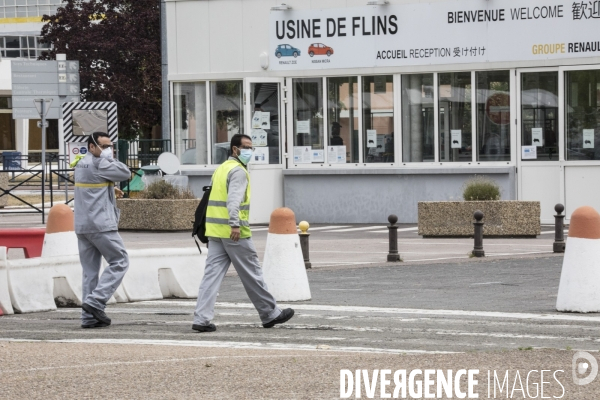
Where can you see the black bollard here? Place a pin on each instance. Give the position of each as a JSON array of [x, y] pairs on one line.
[[478, 224], [559, 226], [393, 229], [304, 243]]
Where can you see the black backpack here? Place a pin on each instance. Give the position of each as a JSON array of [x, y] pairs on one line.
[[199, 230]]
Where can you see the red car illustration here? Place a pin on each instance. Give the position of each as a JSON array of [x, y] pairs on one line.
[[319, 49]]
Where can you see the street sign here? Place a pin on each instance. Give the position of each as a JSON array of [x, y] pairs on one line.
[[32, 113], [42, 106], [55, 80]]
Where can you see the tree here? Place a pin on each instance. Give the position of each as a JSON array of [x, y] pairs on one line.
[[117, 43]]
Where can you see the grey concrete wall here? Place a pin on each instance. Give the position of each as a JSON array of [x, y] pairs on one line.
[[369, 196]]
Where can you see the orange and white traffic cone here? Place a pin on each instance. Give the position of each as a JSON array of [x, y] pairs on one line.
[[60, 238], [579, 287], [283, 266]]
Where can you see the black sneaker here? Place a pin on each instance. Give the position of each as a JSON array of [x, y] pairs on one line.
[[98, 314], [97, 324], [204, 328], [285, 316]]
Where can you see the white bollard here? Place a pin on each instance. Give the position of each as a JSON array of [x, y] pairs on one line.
[[60, 238], [5, 302], [579, 287], [283, 266]]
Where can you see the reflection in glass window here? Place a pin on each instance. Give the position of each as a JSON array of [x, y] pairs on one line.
[[378, 118], [35, 135], [189, 118], [454, 96], [582, 125], [265, 123], [227, 116], [308, 120], [539, 113], [7, 132], [418, 128], [342, 114], [493, 116]]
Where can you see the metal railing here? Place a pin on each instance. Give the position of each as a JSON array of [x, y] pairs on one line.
[[138, 153]]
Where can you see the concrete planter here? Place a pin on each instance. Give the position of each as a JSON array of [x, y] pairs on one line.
[[501, 218], [157, 215]]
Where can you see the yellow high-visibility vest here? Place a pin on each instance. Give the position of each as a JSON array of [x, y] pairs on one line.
[[217, 216]]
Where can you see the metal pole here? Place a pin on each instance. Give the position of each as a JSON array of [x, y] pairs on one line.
[[43, 161], [393, 233], [478, 224], [559, 226], [304, 243], [166, 109]]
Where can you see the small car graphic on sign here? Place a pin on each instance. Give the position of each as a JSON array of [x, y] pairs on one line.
[[536, 140], [587, 142], [285, 50], [455, 142], [319, 49]]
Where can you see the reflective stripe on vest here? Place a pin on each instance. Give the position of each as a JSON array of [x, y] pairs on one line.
[[217, 216]]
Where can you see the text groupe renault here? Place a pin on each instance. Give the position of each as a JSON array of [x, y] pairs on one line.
[[431, 384]]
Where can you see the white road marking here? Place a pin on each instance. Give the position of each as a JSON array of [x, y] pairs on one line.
[[363, 228], [321, 228], [383, 310], [486, 283], [233, 345], [399, 230], [259, 229], [549, 232]]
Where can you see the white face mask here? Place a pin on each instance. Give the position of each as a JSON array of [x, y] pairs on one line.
[[107, 153]]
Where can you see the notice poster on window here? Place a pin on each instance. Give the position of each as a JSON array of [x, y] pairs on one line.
[[537, 137], [371, 138], [336, 154], [302, 155], [318, 156], [265, 120], [259, 137], [588, 138], [528, 152], [303, 126], [260, 155], [257, 120], [456, 138]]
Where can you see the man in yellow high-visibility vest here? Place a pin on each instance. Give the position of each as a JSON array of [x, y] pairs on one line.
[[230, 242]]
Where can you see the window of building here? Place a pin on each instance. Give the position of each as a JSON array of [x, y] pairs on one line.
[[227, 116], [582, 122], [264, 96], [418, 128], [27, 8], [22, 47], [493, 116], [455, 126], [189, 120], [539, 113], [35, 136], [308, 121], [342, 114], [378, 118]]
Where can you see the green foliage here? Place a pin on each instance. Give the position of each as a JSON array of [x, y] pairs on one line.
[[481, 189], [165, 190]]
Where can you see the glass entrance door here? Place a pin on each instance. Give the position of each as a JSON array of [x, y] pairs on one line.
[[539, 167]]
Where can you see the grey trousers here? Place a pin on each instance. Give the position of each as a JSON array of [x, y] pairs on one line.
[[242, 254], [97, 290]]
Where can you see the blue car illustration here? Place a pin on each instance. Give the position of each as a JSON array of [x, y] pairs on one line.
[[286, 50]]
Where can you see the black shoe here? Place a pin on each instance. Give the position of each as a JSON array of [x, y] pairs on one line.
[[98, 314], [285, 316], [97, 324], [204, 328]]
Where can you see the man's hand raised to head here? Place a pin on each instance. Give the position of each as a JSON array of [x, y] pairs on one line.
[[235, 234]]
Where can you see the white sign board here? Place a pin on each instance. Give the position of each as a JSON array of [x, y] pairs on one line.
[[302, 155], [528, 152], [456, 138], [588, 138], [259, 137], [449, 32], [336, 154], [537, 137], [260, 155], [75, 149], [303, 126], [371, 138]]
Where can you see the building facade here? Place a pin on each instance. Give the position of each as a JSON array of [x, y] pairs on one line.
[[20, 27], [360, 109]]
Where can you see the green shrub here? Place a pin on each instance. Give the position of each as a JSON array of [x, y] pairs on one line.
[[481, 189], [165, 190]]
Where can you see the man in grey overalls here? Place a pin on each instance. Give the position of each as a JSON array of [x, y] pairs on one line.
[[96, 224]]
